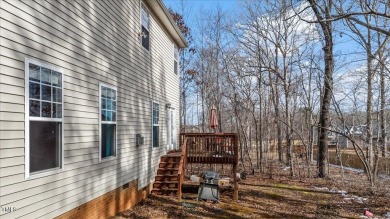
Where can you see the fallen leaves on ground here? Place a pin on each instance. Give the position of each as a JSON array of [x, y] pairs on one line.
[[279, 197]]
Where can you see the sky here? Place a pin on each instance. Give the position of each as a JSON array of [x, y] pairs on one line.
[[199, 4], [345, 48], [193, 8]]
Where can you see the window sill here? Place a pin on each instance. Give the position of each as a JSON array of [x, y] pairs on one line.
[[44, 173], [145, 49], [106, 159]]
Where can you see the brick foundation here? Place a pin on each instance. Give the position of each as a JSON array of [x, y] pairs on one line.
[[111, 203]]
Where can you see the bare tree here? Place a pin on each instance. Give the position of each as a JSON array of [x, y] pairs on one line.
[[374, 58], [323, 14], [186, 71]]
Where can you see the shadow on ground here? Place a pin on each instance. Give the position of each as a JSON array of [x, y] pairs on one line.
[[259, 197]]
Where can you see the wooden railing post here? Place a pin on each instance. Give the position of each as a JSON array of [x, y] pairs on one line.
[[235, 195], [182, 167], [179, 194], [235, 148]]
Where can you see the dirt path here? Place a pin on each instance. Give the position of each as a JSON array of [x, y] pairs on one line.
[[280, 197]]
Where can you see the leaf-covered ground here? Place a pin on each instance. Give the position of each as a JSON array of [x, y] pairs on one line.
[[279, 197]]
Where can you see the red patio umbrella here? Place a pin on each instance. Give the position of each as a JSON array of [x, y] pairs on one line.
[[213, 118]]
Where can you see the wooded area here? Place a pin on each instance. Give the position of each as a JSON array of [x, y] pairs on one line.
[[305, 86], [291, 78]]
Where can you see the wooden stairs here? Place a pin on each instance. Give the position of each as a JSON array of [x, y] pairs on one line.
[[167, 179]]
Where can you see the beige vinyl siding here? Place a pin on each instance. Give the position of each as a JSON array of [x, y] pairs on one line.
[[10, 107], [92, 42], [11, 126], [11, 161], [13, 170], [11, 143]]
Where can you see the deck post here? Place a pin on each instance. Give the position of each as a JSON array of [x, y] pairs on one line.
[[235, 194], [235, 164], [179, 192]]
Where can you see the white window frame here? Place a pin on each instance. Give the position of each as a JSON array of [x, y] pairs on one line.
[[158, 124], [176, 58], [27, 120], [101, 159], [142, 4], [171, 122]]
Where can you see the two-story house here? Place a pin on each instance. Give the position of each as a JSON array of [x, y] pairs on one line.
[[89, 102]]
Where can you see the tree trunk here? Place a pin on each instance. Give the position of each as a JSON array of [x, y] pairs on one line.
[[382, 112], [383, 141], [261, 126], [257, 142], [326, 27], [289, 152], [184, 108], [369, 104], [275, 99]]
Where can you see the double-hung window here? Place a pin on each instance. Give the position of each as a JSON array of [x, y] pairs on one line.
[[145, 25], [44, 117], [155, 124], [108, 113]]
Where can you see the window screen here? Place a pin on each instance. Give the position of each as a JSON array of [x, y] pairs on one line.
[[45, 117], [155, 121], [145, 25], [108, 114]]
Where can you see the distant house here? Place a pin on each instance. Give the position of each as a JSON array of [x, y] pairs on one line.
[[358, 133], [333, 135], [336, 137], [89, 100]]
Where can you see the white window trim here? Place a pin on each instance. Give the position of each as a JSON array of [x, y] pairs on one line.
[[176, 59], [158, 124], [140, 27], [171, 119], [27, 120], [100, 123], [168, 128], [175, 48]]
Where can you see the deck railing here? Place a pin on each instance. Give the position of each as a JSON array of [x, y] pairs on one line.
[[210, 148], [217, 148]]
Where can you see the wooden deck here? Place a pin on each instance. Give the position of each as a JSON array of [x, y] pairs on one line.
[[207, 148]]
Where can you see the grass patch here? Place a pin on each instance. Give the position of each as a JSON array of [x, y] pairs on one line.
[[286, 186]]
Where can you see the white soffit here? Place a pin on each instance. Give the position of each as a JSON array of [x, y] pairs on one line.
[[158, 7]]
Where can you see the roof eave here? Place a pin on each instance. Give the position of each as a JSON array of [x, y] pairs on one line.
[[162, 12]]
